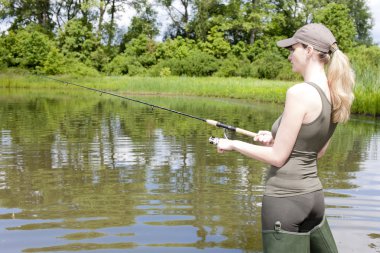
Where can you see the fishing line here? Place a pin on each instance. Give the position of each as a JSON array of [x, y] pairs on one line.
[[208, 121]]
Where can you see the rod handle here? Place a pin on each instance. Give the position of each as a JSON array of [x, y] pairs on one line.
[[235, 129], [246, 132]]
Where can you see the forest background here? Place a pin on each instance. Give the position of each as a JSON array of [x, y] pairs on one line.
[[219, 38]]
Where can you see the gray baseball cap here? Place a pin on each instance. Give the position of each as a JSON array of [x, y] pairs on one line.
[[316, 35]]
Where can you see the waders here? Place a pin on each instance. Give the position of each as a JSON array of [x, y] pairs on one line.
[[321, 239], [318, 240]]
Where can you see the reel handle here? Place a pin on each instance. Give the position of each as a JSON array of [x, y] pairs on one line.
[[213, 140]]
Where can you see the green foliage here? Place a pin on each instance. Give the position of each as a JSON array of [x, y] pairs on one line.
[[234, 66], [165, 72], [366, 63], [216, 44], [6, 43], [118, 66], [140, 25], [76, 68], [77, 40], [197, 63], [268, 65], [55, 63], [175, 48], [22, 13], [228, 38], [239, 49], [263, 45], [98, 59], [26, 48], [124, 65], [286, 73], [337, 18], [363, 21], [143, 49]]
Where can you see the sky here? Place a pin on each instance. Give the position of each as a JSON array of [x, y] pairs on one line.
[[374, 6]]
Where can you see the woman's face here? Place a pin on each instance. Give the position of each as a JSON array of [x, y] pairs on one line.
[[297, 58]]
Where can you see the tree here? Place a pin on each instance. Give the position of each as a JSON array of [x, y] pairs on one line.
[[179, 14], [337, 18], [145, 22], [24, 12], [27, 48], [363, 21], [110, 27], [204, 12], [143, 49], [77, 40], [216, 44], [288, 17], [246, 20]]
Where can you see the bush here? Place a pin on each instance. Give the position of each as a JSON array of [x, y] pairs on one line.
[[287, 74], [268, 65], [175, 48], [165, 72], [26, 48], [6, 56], [195, 64], [78, 39], [98, 59], [233, 66], [199, 64], [124, 65], [76, 68], [55, 63], [142, 49]]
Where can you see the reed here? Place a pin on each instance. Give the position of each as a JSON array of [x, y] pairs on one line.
[[367, 92]]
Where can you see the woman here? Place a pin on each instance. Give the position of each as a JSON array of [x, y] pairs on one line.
[[293, 202]]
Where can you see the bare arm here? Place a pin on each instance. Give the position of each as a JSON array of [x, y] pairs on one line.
[[278, 153]]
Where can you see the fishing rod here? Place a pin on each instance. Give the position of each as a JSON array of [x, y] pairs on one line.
[[212, 140]]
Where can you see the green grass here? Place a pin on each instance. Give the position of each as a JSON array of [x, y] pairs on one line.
[[259, 90], [367, 97]]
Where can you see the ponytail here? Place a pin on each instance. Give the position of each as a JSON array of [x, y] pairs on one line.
[[341, 80]]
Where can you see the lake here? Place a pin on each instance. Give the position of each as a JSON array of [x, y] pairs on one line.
[[89, 173]]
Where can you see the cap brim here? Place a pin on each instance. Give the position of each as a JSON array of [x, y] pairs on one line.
[[286, 42]]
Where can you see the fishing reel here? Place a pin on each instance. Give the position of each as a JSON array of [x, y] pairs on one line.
[[215, 140]]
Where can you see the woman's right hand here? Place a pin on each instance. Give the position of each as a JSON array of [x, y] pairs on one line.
[[265, 137]]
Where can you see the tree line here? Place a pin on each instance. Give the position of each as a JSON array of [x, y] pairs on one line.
[[203, 37]]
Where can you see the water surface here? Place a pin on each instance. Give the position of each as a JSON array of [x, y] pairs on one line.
[[89, 173]]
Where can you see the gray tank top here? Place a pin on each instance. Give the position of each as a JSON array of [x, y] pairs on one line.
[[299, 174]]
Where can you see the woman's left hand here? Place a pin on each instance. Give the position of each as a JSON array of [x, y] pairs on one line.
[[224, 145]]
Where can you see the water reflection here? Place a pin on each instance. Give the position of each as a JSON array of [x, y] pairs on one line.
[[79, 172]]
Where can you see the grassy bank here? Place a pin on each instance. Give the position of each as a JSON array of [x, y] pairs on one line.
[[367, 100]]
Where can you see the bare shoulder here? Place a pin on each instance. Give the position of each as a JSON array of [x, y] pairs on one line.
[[301, 91], [300, 87]]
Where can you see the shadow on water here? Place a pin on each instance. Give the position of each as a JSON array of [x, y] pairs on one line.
[[79, 172]]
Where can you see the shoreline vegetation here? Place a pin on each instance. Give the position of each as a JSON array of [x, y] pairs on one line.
[[367, 102]]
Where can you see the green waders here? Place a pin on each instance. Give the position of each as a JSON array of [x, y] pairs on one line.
[[280, 241], [321, 239], [318, 240]]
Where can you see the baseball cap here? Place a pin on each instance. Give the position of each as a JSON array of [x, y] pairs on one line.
[[316, 35]]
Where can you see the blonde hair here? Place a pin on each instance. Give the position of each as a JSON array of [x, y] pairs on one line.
[[341, 80]]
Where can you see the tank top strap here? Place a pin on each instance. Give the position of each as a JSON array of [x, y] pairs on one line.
[[320, 91]]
